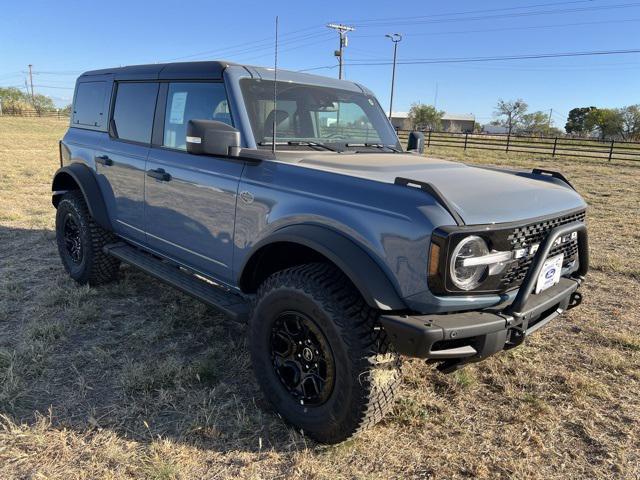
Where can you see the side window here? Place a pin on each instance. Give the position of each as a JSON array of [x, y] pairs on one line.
[[133, 111], [89, 104], [192, 101]]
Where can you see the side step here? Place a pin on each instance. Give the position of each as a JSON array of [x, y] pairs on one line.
[[229, 303]]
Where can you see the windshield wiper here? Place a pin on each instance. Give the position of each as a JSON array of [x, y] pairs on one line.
[[374, 145], [302, 142]]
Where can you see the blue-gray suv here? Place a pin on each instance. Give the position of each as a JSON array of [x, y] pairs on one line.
[[292, 204]]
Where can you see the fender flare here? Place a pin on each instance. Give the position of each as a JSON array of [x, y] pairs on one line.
[[367, 276], [87, 182]]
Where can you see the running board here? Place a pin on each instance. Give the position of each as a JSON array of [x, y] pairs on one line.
[[229, 303]]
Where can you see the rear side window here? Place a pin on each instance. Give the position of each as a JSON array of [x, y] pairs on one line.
[[88, 108], [133, 111], [192, 101]]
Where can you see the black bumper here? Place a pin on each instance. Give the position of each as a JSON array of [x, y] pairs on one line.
[[459, 338]]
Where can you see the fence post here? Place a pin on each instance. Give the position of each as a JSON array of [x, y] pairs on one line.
[[611, 150], [555, 144], [429, 139], [508, 141], [466, 136]]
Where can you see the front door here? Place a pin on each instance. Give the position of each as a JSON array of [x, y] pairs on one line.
[[191, 199], [121, 157]]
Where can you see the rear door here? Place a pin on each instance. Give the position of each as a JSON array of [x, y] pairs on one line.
[[122, 155], [191, 199]]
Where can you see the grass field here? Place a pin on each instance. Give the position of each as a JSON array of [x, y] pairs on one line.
[[135, 380]]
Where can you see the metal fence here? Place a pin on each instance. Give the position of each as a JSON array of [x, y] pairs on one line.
[[35, 113], [554, 146]]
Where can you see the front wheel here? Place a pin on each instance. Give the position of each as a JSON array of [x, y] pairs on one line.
[[80, 242], [319, 355]]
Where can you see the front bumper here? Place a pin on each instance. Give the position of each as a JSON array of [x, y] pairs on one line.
[[459, 338]]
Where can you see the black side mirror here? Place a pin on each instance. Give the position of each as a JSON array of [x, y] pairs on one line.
[[416, 142], [210, 137]]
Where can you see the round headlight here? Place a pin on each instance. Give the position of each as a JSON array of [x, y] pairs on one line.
[[468, 278]]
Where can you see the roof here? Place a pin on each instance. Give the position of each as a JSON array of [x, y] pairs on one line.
[[213, 70], [470, 117], [209, 70], [461, 117]]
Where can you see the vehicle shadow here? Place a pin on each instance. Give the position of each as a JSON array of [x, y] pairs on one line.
[[135, 357]]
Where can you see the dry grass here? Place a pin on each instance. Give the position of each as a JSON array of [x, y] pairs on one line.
[[137, 380]]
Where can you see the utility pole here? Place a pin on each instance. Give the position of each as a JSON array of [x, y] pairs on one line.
[[395, 38], [342, 31], [31, 82], [549, 121]]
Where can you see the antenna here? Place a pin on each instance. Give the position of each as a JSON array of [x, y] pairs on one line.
[[275, 92]]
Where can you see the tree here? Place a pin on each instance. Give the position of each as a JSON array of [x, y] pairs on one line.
[[608, 122], [511, 112], [576, 120], [42, 103], [630, 122], [425, 117], [15, 101], [535, 123]]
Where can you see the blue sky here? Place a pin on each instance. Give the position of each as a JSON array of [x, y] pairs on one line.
[[65, 37]]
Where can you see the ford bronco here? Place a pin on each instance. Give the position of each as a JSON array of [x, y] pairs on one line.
[[290, 203]]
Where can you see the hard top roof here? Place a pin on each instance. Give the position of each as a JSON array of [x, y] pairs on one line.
[[213, 70], [209, 69]]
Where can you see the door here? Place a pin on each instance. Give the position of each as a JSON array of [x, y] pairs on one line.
[[122, 155], [191, 199]]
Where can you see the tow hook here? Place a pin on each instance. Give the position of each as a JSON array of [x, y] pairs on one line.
[[575, 300]]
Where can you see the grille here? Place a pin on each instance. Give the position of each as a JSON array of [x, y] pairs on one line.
[[529, 235]]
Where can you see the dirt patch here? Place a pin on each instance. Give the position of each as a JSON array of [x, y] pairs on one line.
[[135, 380]]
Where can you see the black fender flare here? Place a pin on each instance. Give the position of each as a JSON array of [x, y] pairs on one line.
[[363, 271], [86, 181]]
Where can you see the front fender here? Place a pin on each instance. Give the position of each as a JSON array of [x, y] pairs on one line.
[[79, 176], [367, 276]]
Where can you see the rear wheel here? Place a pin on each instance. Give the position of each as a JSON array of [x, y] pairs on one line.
[[319, 354], [80, 241]]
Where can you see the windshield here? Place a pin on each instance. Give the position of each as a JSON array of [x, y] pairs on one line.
[[307, 114]]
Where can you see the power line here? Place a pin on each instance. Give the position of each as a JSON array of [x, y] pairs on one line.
[[254, 44], [432, 20], [484, 10], [504, 29], [424, 61]]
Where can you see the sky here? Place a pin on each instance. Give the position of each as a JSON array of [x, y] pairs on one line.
[[63, 38]]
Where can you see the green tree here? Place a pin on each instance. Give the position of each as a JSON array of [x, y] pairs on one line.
[[14, 101], [425, 117], [42, 103], [535, 123], [576, 120], [510, 112], [630, 116], [608, 122]]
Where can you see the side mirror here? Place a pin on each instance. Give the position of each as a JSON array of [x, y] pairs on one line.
[[210, 137], [416, 142]]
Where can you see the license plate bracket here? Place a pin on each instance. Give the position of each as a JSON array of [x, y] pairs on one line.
[[550, 273]]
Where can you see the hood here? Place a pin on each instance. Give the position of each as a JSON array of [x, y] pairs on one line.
[[480, 195]]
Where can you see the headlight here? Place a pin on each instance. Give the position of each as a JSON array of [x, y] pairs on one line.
[[468, 277]]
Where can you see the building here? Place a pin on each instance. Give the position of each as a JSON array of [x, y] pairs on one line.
[[400, 121], [458, 122], [451, 122]]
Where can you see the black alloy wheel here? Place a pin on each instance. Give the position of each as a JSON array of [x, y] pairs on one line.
[[302, 358]]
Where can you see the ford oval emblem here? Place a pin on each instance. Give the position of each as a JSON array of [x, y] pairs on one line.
[[549, 275]]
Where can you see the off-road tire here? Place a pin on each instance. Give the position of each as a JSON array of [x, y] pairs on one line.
[[95, 267], [367, 371]]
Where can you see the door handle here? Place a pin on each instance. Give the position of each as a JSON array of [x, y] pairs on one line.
[[104, 160], [159, 174]]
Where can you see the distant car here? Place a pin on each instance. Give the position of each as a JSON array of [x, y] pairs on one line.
[[341, 250]]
